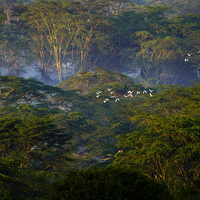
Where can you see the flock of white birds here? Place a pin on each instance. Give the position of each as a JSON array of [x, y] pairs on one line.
[[188, 54], [129, 94]]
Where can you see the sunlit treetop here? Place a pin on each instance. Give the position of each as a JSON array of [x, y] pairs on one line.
[[87, 81]]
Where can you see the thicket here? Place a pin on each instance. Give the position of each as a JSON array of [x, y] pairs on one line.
[[45, 131]]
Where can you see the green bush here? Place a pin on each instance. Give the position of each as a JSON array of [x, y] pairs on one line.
[[109, 183]]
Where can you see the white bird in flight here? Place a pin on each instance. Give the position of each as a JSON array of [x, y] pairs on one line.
[[144, 91], [186, 60], [129, 93], [198, 52], [106, 100], [189, 54], [150, 90]]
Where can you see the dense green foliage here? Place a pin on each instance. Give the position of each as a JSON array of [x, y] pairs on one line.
[[108, 183], [35, 134], [87, 137], [46, 130], [166, 141]]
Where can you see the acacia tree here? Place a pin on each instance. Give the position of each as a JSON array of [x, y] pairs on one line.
[[186, 29], [39, 51], [12, 48], [7, 5], [161, 48], [32, 144], [67, 27], [86, 81], [165, 143], [191, 41], [17, 91], [100, 144], [156, 49], [34, 138], [157, 56], [88, 34], [49, 20], [16, 94]]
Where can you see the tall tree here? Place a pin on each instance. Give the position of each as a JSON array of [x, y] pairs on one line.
[[61, 22], [165, 143], [157, 56], [12, 48], [90, 38], [49, 19]]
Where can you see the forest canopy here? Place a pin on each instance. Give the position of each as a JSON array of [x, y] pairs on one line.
[[111, 110], [154, 41]]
